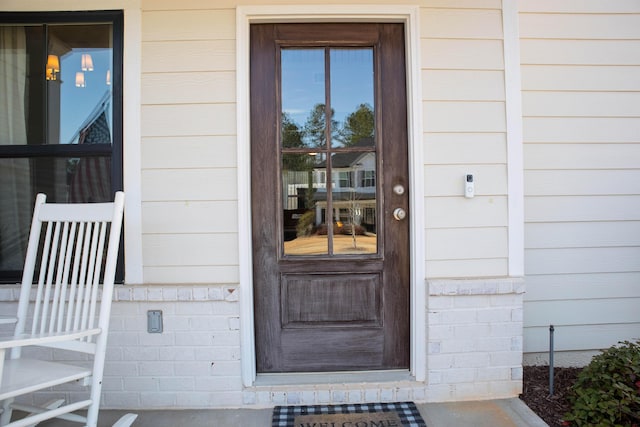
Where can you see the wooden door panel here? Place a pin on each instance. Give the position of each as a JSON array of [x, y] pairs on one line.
[[331, 300], [332, 350], [335, 310]]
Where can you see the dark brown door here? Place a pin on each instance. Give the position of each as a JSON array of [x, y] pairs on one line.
[[329, 197]]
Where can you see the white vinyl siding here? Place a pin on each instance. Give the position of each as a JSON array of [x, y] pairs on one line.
[[464, 132], [581, 108], [189, 161], [189, 125]]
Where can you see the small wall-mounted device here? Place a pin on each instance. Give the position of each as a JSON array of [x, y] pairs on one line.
[[469, 189], [154, 321]]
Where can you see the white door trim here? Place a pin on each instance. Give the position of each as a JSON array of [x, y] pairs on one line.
[[409, 15]]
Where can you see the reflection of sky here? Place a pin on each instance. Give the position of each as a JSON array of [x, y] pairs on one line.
[[303, 81], [78, 103]]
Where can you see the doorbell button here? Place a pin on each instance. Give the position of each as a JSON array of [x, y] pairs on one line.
[[469, 187]]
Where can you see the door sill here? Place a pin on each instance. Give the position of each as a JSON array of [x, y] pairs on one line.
[[310, 378]]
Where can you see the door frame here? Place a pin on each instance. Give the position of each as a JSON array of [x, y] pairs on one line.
[[409, 15]]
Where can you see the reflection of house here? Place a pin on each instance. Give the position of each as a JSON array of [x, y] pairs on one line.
[[90, 176], [353, 181]]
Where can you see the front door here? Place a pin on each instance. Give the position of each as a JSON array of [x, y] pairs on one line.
[[329, 197]]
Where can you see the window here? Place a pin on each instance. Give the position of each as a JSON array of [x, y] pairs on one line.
[[60, 117], [368, 179], [345, 179]]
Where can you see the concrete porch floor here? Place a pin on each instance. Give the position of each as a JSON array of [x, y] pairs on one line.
[[490, 413]]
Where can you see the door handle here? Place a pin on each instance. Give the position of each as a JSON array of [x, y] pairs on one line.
[[399, 214]]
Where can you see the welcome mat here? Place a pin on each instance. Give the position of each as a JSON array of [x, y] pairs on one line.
[[396, 414]]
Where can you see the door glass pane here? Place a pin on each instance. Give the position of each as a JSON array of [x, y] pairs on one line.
[[352, 97], [339, 219], [303, 98], [304, 202], [354, 202]]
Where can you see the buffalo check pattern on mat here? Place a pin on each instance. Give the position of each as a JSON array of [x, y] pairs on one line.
[[407, 412]]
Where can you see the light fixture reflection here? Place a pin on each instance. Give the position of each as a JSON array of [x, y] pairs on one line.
[[80, 79], [108, 77], [87, 62], [52, 68]]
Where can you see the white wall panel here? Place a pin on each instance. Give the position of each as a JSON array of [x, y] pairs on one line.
[[218, 24], [196, 55], [570, 312], [548, 287], [446, 116], [582, 145], [213, 249], [462, 54], [580, 52], [188, 120], [469, 268], [582, 260], [450, 212], [207, 4], [461, 24], [581, 156], [467, 243], [190, 217], [191, 274], [582, 182], [463, 85], [581, 104], [189, 88], [184, 152], [582, 234], [582, 208], [580, 26], [581, 129], [581, 77], [189, 184], [463, 4], [465, 148], [579, 6]]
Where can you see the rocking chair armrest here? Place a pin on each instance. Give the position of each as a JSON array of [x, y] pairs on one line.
[[42, 339], [7, 320]]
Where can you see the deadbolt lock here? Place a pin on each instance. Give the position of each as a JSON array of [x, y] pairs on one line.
[[399, 214]]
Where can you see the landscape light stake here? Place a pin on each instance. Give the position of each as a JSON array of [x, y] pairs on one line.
[[551, 329]]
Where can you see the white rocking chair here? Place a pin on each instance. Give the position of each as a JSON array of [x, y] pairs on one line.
[[69, 244]]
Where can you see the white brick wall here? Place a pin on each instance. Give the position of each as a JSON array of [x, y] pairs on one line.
[[474, 350], [474, 339]]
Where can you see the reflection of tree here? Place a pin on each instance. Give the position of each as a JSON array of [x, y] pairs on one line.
[[315, 128], [291, 133], [292, 163], [357, 125], [292, 138]]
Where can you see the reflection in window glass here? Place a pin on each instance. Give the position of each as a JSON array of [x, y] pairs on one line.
[[63, 180], [339, 218], [54, 96], [303, 188], [84, 97], [303, 98], [352, 96], [353, 203], [57, 112]]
